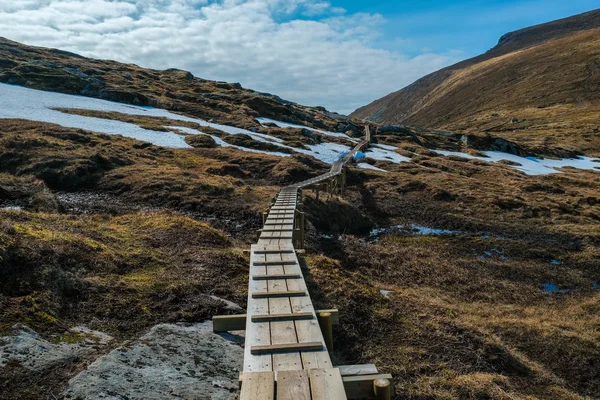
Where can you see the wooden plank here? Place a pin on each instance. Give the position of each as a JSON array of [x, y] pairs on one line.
[[258, 386], [226, 323], [361, 386], [286, 348], [287, 293], [277, 276], [257, 333], [308, 330], [293, 385], [359, 369], [282, 317], [272, 251], [326, 384], [275, 262], [282, 332]]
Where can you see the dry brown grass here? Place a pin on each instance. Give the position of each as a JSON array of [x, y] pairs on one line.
[[550, 87]]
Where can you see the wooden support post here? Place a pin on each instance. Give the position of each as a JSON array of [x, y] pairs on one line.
[[264, 217], [327, 329], [382, 389], [317, 189], [344, 178], [302, 227]]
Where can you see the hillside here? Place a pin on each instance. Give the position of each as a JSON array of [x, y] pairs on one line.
[[462, 264], [538, 86]]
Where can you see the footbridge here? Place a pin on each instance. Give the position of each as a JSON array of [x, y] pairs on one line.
[[288, 342]]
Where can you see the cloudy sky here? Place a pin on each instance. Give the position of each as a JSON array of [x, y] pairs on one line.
[[339, 54]]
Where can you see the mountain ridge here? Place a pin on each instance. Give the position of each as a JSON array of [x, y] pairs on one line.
[[547, 65]]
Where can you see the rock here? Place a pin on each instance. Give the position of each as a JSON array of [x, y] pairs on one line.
[[128, 77], [37, 354], [393, 128], [76, 72], [170, 361], [201, 141], [229, 305], [514, 120]]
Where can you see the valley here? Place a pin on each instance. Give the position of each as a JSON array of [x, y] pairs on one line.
[[463, 256]]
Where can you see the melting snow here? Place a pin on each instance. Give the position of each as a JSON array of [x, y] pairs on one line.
[[413, 229], [385, 146], [222, 143], [531, 165], [38, 105], [282, 124], [369, 166], [385, 155]]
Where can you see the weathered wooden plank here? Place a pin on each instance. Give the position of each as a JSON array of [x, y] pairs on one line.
[[287, 293], [361, 386], [326, 384], [275, 262], [282, 332], [257, 333], [293, 385], [282, 317], [286, 348], [277, 276], [359, 369], [258, 386]]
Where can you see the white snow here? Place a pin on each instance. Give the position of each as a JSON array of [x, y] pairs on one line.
[[386, 155], [282, 124], [364, 165], [531, 165], [413, 229], [385, 146], [326, 152], [222, 143], [39, 105]]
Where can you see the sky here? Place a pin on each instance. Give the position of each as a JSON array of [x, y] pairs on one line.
[[337, 54]]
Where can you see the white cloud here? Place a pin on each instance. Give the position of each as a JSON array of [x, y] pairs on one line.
[[326, 57]]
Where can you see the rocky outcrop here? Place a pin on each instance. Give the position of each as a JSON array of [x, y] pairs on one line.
[[31, 351], [171, 361]]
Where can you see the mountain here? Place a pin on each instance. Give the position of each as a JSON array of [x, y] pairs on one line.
[[538, 86], [172, 89], [459, 263]]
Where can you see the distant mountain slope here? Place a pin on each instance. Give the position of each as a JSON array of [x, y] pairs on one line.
[[172, 89], [538, 85]]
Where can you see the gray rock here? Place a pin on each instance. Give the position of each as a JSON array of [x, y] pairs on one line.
[[172, 361], [37, 354]]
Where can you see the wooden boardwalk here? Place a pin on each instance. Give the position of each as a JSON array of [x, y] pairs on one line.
[[285, 352]]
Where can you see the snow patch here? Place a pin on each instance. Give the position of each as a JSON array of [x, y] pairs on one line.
[[364, 165], [531, 165], [282, 124]]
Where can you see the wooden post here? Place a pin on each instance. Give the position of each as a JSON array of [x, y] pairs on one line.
[[327, 329], [344, 178], [382, 389], [302, 227], [317, 189], [264, 217]]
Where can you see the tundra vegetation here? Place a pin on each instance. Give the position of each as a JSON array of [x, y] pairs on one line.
[[120, 235]]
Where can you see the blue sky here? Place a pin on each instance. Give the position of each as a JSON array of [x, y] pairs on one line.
[[471, 27], [338, 54]]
